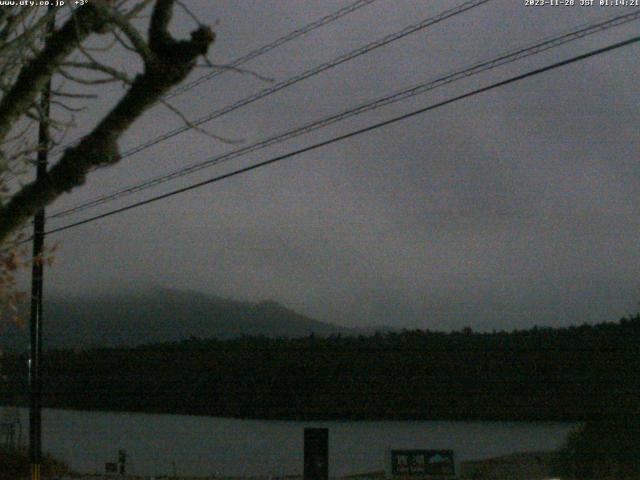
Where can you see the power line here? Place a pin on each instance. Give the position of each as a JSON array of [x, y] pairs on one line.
[[474, 69], [309, 73], [354, 133], [258, 52], [270, 46]]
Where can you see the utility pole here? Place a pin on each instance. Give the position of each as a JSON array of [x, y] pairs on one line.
[[35, 376]]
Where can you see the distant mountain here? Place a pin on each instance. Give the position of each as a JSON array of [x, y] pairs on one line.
[[161, 315]]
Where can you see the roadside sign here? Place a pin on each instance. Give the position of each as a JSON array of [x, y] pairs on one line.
[[111, 467], [316, 454], [416, 463], [122, 461]]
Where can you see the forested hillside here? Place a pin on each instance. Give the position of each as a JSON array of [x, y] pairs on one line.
[[574, 373]]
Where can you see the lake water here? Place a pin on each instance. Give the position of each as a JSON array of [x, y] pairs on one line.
[[156, 444]]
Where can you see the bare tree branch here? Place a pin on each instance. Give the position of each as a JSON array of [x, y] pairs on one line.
[[33, 76], [167, 62], [197, 128], [99, 67]]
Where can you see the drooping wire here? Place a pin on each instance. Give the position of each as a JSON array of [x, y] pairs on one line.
[[307, 74], [474, 69], [270, 46], [310, 73], [354, 133], [332, 17]]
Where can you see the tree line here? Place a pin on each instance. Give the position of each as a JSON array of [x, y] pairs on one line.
[[587, 372]]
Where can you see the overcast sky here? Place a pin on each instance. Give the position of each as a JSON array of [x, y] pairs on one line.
[[516, 207]]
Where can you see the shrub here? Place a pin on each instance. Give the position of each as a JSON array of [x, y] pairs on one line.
[[604, 449]]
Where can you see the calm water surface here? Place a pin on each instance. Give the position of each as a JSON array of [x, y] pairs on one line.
[[156, 444]]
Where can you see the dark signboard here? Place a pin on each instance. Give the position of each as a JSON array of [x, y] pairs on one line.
[[316, 453], [122, 461], [111, 467], [421, 462]]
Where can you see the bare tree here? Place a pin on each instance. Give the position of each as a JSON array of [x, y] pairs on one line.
[[70, 56]]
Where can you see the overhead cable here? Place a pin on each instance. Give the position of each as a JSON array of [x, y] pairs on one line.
[[270, 46], [308, 74], [474, 69], [258, 52], [354, 133]]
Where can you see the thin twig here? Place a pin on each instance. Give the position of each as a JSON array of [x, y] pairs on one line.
[[198, 128]]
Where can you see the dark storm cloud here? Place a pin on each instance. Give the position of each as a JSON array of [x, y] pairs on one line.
[[513, 208]]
